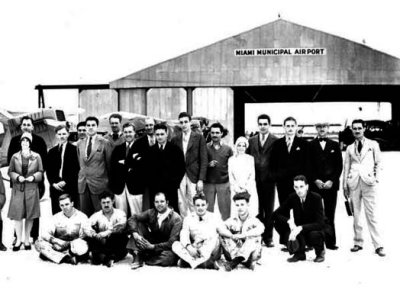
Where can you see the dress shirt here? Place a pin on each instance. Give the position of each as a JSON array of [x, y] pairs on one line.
[[62, 158], [162, 217], [251, 226], [322, 142], [151, 139], [289, 143], [185, 141], [263, 138], [66, 228], [98, 222]]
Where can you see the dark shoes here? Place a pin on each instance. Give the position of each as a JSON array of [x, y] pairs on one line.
[[17, 248], [320, 257], [27, 247], [269, 244], [332, 247], [109, 263], [380, 252], [2, 247], [137, 263], [297, 257], [356, 248], [68, 259]]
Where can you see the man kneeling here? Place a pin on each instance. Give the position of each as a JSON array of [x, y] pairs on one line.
[[106, 233], [245, 244], [305, 226], [63, 242], [199, 245], [153, 233]]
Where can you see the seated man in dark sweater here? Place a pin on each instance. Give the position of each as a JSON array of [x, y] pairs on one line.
[[153, 233], [305, 226]]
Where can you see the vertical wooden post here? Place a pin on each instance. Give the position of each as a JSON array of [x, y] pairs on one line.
[[189, 100], [238, 113]]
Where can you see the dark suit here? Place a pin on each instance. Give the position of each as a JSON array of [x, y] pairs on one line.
[[326, 164], [69, 174], [143, 147], [39, 146], [196, 168], [264, 181], [309, 215], [285, 166], [165, 171]]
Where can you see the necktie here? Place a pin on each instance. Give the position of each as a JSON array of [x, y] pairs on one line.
[[161, 148], [200, 218], [359, 147], [127, 150], [115, 136], [262, 139], [321, 139], [289, 144], [89, 148]]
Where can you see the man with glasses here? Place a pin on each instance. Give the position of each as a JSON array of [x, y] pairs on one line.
[[360, 178], [260, 147], [194, 150]]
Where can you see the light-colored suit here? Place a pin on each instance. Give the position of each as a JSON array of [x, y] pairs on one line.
[[361, 172], [93, 173]]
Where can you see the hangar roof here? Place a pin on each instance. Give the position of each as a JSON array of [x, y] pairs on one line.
[[277, 53]]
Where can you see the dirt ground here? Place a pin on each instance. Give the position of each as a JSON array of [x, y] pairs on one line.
[[361, 278]]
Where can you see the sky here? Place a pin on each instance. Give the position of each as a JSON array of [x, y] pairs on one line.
[[84, 42]]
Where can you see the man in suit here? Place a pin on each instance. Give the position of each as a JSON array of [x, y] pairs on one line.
[[94, 155], [63, 170], [289, 158], [166, 167], [260, 147], [326, 166], [116, 136], [39, 146], [2, 203], [127, 170], [194, 149], [305, 226], [360, 177]]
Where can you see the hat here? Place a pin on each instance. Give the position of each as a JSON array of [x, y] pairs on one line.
[[26, 135], [79, 247], [293, 246]]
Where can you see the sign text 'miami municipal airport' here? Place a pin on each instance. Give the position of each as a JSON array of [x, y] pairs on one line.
[[280, 52]]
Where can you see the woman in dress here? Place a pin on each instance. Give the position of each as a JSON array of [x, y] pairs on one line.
[[242, 174], [25, 171]]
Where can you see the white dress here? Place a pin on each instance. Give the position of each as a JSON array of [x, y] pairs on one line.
[[242, 177]]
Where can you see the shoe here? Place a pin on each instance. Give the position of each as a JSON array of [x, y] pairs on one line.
[[297, 257], [17, 248], [285, 249], [109, 263], [182, 264], [308, 248], [380, 252], [332, 247], [28, 247], [228, 267], [356, 248], [137, 263], [320, 257], [2, 247], [270, 244], [218, 265], [68, 259]]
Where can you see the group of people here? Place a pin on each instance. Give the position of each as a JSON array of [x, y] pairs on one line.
[[154, 197]]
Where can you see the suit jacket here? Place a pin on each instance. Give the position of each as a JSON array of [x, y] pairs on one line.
[[70, 168], [364, 166], [262, 156], [2, 194], [130, 172], [196, 156], [114, 143], [166, 167], [94, 170], [285, 166], [326, 164], [309, 215]]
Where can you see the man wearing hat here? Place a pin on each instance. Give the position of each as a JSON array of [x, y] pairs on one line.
[[305, 226], [326, 166], [63, 240]]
